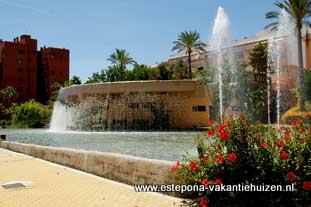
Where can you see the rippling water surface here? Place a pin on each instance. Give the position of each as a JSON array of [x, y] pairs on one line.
[[154, 145]]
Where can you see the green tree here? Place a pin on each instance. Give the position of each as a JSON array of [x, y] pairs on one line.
[[139, 72], [259, 58], [98, 77], [189, 41], [114, 73], [121, 58], [75, 80], [164, 72], [29, 115], [179, 70], [299, 11]]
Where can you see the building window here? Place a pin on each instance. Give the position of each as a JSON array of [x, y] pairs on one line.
[[22, 52], [199, 108], [20, 79], [20, 69], [53, 72], [20, 60]]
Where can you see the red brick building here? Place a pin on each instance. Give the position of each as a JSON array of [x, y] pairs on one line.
[[29, 71]]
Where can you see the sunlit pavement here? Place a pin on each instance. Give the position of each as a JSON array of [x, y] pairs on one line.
[[48, 184]]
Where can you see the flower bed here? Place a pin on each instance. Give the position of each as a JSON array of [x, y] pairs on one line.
[[234, 152]]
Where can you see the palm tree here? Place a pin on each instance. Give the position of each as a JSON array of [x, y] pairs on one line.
[[121, 58], [299, 11], [189, 41]]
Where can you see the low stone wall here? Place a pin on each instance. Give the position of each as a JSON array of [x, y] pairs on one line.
[[126, 169]]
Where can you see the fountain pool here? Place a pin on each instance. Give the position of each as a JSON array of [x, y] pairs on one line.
[[154, 145]]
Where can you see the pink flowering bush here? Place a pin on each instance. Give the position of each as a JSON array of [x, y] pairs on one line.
[[234, 152]]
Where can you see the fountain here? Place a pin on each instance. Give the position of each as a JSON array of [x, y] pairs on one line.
[[221, 43], [279, 42], [133, 105]]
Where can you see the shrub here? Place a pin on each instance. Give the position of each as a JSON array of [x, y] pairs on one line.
[[235, 152], [295, 113], [29, 115]]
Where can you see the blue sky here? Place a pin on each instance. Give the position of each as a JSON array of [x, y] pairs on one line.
[[146, 28]]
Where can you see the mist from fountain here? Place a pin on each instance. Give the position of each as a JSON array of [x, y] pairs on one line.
[[221, 43], [280, 43]]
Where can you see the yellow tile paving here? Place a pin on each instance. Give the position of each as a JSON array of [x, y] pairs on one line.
[[58, 186]]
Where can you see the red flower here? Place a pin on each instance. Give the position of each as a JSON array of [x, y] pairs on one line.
[[204, 158], [175, 167], [205, 182], [221, 128], [219, 159], [300, 131], [264, 145], [284, 155], [291, 176], [232, 157], [211, 133], [307, 185], [203, 202], [309, 129], [211, 123], [296, 122], [287, 136], [218, 181], [193, 166], [242, 118], [283, 128], [223, 135], [302, 141], [280, 144]]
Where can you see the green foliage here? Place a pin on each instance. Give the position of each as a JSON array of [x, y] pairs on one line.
[[75, 80], [164, 72], [29, 115], [98, 77], [8, 92], [308, 85], [114, 73], [139, 72], [179, 70], [259, 58], [235, 152], [189, 42]]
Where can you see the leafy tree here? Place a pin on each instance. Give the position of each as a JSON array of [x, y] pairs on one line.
[[164, 72], [98, 77], [189, 41], [121, 58], [299, 11], [114, 73], [179, 70], [259, 58], [75, 80], [139, 72], [29, 115]]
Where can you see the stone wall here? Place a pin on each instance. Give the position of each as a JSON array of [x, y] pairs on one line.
[[122, 168]]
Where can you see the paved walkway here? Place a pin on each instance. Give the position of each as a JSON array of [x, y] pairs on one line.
[[55, 185]]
